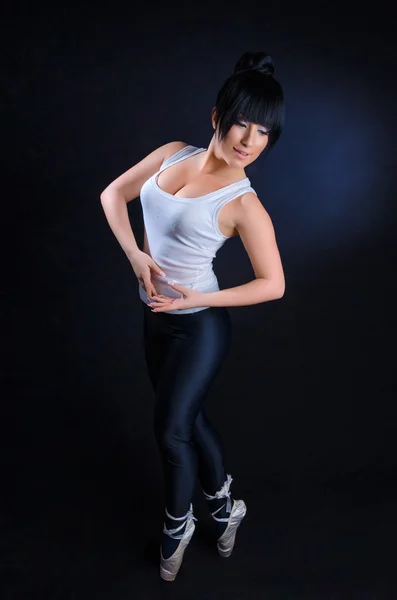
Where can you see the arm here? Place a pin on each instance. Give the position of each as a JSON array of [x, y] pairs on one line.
[[256, 230], [127, 187]]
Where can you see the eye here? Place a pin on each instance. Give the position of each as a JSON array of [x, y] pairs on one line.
[[243, 125]]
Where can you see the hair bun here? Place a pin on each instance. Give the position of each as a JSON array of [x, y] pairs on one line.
[[255, 61]]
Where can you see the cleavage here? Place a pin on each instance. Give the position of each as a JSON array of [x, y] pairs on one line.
[[184, 182], [195, 184]]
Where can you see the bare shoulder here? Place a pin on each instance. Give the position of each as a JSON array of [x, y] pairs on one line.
[[249, 199], [237, 214], [251, 220], [247, 208], [129, 183], [173, 147]]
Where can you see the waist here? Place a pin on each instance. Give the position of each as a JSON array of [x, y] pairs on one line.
[[194, 278], [205, 285]]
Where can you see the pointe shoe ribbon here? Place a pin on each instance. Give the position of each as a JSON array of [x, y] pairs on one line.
[[224, 492], [172, 532]]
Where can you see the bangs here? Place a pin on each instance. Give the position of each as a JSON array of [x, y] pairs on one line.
[[253, 97]]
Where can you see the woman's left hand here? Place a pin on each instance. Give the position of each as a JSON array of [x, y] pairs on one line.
[[190, 299]]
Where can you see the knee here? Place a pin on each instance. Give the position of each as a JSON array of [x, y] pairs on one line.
[[171, 438]]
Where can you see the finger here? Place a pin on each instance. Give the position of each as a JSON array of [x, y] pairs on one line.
[[159, 304], [178, 287], [163, 299], [162, 308], [148, 288], [157, 269], [154, 292]]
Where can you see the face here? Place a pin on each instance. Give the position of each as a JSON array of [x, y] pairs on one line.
[[249, 138]]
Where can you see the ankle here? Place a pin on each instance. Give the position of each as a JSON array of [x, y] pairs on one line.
[[221, 501], [175, 527], [217, 506]]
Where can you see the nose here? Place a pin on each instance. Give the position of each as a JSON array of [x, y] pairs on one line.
[[247, 139], [248, 136], [246, 145]]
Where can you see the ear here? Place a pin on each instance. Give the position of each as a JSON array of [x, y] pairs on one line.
[[213, 119]]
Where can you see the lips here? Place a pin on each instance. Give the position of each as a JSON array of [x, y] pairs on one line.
[[241, 152]]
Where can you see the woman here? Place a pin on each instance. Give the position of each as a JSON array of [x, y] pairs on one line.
[[193, 200]]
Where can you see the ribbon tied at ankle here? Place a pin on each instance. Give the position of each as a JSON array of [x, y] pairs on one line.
[[172, 532], [224, 492]]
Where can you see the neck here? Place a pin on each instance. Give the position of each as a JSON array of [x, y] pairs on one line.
[[213, 163]]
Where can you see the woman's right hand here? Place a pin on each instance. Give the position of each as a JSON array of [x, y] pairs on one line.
[[142, 264]]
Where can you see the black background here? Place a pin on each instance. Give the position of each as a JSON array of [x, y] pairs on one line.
[[305, 402]]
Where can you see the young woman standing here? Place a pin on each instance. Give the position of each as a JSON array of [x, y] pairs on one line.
[[193, 200]]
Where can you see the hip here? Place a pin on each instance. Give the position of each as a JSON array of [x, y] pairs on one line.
[[212, 323]]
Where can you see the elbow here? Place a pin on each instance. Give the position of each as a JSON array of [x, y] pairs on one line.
[[273, 290], [280, 294], [279, 290], [104, 194], [111, 193]]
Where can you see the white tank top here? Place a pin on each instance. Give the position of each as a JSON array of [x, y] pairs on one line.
[[183, 233]]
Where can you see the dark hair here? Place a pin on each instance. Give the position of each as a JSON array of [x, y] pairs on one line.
[[253, 93]]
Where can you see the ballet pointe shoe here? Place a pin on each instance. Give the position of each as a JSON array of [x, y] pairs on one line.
[[225, 543], [169, 567], [237, 510]]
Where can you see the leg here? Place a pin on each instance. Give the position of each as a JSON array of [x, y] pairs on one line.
[[195, 355], [184, 357], [211, 470], [184, 353], [212, 473]]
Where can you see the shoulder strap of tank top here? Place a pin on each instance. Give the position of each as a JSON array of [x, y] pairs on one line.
[[231, 192], [225, 196], [180, 155]]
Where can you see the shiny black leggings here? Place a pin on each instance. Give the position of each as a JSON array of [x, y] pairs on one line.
[[184, 354]]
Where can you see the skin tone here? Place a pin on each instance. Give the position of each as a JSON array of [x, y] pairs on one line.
[[222, 160]]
